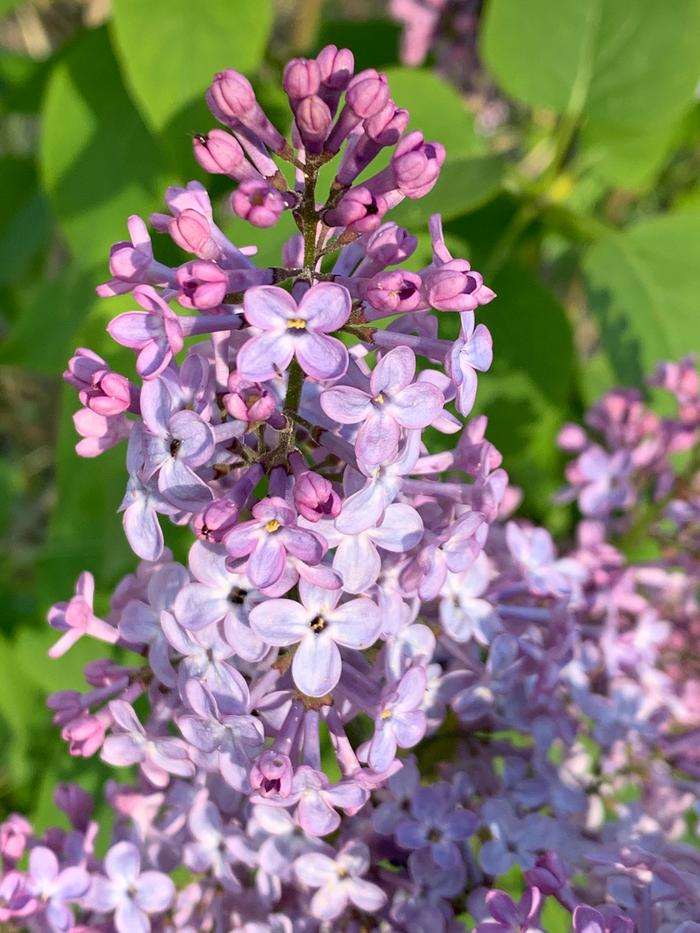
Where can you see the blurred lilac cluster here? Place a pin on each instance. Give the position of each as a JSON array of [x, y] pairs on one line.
[[349, 595]]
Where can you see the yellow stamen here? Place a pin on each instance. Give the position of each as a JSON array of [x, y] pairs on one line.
[[296, 323], [386, 714], [379, 399], [272, 526]]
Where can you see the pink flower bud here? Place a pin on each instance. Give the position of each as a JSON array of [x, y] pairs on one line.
[[359, 211], [416, 165], [367, 93], [221, 154], [203, 285], [271, 775], [313, 119], [302, 78], [293, 252], [394, 291], [15, 832], [386, 126], [315, 497], [548, 874], [389, 245], [101, 390], [258, 202], [248, 401], [454, 286], [192, 232], [335, 66], [232, 99]]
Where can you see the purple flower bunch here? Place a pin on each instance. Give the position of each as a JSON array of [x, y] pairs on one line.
[[350, 595]]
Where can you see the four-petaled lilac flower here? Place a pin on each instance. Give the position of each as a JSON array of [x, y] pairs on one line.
[[339, 881], [267, 538], [155, 332], [509, 917], [291, 329], [131, 894], [174, 444], [76, 618], [463, 613], [393, 402], [215, 846], [471, 352], [158, 756], [436, 823], [219, 595], [54, 888], [317, 798], [318, 624], [400, 722], [589, 920]]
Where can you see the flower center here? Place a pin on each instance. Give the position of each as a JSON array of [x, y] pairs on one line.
[[379, 399], [296, 323], [237, 596], [272, 526], [175, 445], [317, 624], [386, 714]]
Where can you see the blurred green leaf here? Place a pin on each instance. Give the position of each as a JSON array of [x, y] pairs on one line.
[[25, 219], [170, 49], [98, 160], [642, 287], [629, 70]]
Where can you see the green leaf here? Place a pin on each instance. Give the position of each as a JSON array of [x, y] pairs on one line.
[[464, 185], [99, 162], [169, 49], [628, 70], [642, 287], [25, 219]]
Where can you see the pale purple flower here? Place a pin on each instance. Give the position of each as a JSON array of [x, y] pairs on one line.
[[236, 738], [155, 332], [99, 389], [339, 881], [219, 595], [356, 557], [509, 917], [318, 625], [291, 329], [589, 920], [471, 352], [268, 537], [158, 756], [216, 847], [603, 481], [400, 721], [514, 840], [173, 446], [463, 613], [76, 618], [132, 895], [204, 657], [400, 790], [393, 402], [55, 888], [436, 823], [533, 549], [140, 620]]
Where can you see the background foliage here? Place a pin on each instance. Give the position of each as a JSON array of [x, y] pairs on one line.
[[580, 204]]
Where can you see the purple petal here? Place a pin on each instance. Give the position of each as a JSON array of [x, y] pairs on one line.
[[182, 487], [401, 529], [129, 918], [365, 895], [346, 404], [329, 901], [417, 405], [266, 564], [382, 748], [320, 356], [357, 561], [266, 356], [73, 882], [378, 438], [502, 908], [280, 622], [356, 624], [43, 865], [142, 529], [121, 750], [315, 816], [315, 869], [326, 306], [154, 358], [268, 307], [133, 329], [195, 436], [198, 605], [302, 544], [317, 664], [394, 371], [123, 862], [154, 892]]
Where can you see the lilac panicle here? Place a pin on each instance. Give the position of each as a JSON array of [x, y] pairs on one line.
[[370, 690]]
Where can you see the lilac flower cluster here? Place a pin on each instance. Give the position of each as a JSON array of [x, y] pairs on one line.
[[349, 595]]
